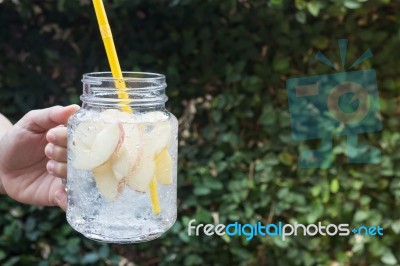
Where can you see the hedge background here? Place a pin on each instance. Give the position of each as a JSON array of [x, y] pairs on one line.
[[226, 64]]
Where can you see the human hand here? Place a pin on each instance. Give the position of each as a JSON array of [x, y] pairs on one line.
[[26, 172]]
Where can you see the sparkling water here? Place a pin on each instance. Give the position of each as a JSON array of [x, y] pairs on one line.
[[129, 217]]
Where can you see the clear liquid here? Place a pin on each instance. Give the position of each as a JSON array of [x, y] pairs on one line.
[[127, 219]]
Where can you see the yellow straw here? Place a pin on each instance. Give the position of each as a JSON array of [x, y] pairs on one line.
[[155, 204], [108, 41]]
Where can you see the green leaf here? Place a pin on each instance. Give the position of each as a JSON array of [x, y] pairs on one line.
[[12, 261], [201, 191], [193, 260], [3, 255], [360, 216], [314, 8], [316, 190], [301, 17], [280, 64], [334, 185], [388, 258], [352, 4], [90, 258], [396, 227], [286, 158], [320, 42], [104, 251]]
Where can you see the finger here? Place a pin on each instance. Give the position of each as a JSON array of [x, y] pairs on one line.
[[61, 198], [57, 136], [45, 119], [57, 169], [56, 153]]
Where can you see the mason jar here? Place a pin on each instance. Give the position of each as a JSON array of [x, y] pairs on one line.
[[122, 159]]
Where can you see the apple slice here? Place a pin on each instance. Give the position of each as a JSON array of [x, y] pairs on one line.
[[105, 143], [157, 138], [86, 132], [139, 179], [127, 157], [120, 163], [163, 172], [106, 182]]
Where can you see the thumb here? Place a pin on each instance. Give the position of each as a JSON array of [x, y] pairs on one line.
[[45, 119]]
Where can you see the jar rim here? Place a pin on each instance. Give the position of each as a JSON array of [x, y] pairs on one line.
[[127, 76], [140, 88]]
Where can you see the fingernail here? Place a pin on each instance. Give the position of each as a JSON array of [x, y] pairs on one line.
[[48, 150], [50, 167], [51, 137]]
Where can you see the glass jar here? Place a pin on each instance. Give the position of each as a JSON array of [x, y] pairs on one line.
[[122, 159]]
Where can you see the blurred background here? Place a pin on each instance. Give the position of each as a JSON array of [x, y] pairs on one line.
[[226, 64]]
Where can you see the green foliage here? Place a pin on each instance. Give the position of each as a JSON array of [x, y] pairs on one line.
[[226, 64]]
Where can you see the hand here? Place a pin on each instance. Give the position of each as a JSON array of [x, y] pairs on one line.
[[26, 172]]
